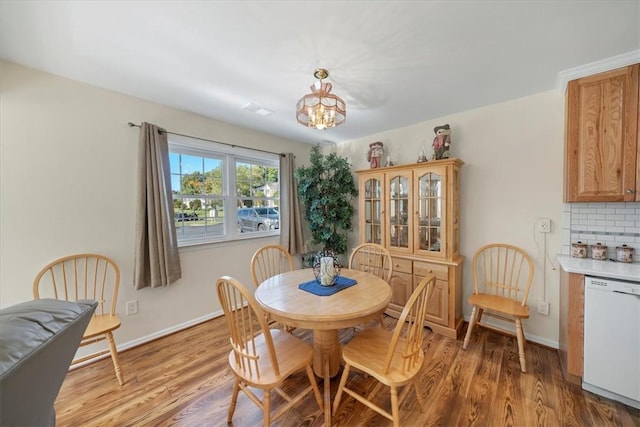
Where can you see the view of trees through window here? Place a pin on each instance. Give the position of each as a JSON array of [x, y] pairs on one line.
[[256, 185], [201, 195]]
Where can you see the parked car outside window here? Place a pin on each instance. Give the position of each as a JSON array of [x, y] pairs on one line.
[[258, 219], [185, 216]]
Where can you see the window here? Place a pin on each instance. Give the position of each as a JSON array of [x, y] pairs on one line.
[[222, 193]]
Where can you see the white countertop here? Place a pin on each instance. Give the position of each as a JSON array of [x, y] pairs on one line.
[[592, 267]]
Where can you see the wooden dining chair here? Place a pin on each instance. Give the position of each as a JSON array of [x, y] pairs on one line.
[[502, 277], [86, 276], [393, 358], [374, 259], [268, 261], [261, 357]]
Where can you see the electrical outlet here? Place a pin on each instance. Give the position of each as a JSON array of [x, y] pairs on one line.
[[132, 307], [543, 307], [543, 225]]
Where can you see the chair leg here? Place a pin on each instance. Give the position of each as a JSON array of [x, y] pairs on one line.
[[520, 334], [314, 385], [376, 388], [472, 322], [416, 386], [266, 408], [327, 390], [234, 398], [343, 382], [395, 407], [114, 357]]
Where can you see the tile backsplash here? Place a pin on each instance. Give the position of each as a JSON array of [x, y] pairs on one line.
[[612, 224]]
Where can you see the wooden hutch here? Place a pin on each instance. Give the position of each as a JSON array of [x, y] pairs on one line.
[[414, 211]]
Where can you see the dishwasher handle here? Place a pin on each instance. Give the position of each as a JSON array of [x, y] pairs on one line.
[[626, 288]]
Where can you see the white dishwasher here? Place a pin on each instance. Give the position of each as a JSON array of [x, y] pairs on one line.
[[612, 339]]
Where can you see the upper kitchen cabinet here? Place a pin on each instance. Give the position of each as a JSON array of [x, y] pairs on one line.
[[602, 158]]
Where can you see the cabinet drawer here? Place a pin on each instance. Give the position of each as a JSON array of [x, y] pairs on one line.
[[425, 268], [401, 265]]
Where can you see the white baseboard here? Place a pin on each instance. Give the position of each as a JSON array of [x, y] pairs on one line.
[[168, 331], [512, 330], [176, 328], [154, 336]]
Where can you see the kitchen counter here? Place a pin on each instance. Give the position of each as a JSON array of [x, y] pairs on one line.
[[592, 267]]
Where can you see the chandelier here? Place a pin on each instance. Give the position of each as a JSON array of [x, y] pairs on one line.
[[321, 109]]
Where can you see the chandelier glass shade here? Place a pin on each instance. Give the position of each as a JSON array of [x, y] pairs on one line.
[[321, 109]]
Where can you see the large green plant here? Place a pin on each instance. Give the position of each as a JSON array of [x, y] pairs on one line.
[[326, 188]]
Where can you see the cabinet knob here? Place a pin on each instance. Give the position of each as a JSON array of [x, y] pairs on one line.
[[629, 191]]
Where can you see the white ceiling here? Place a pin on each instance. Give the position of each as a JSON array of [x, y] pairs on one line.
[[395, 63]]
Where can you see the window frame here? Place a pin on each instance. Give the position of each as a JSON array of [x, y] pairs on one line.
[[230, 156]]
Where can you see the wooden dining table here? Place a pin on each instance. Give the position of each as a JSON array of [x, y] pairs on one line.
[[325, 315]]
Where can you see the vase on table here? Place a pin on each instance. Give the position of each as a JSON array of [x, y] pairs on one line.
[[326, 267]]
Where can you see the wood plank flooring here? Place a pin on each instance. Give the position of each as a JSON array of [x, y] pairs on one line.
[[184, 380]]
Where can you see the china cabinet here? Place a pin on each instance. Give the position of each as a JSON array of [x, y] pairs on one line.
[[413, 211], [602, 154]]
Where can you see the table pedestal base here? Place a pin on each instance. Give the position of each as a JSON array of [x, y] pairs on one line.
[[327, 348]]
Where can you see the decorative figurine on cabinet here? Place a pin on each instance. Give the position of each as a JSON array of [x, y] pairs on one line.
[[421, 157], [375, 153], [389, 162], [442, 142]]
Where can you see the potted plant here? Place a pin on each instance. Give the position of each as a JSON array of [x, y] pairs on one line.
[[326, 188]]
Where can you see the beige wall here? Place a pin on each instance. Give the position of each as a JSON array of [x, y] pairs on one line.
[[68, 165], [512, 175], [67, 175]]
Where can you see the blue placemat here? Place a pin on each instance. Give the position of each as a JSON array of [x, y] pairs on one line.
[[316, 288]]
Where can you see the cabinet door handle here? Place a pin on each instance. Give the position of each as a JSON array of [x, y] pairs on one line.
[[629, 191]]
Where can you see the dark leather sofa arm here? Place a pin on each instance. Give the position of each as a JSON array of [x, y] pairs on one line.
[[38, 340]]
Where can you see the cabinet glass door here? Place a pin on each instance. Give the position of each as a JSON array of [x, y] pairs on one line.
[[430, 200], [399, 210], [373, 211]]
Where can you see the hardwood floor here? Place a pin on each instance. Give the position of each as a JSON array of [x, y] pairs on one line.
[[184, 380]]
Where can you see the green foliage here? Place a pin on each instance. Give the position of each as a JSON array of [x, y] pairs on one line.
[[250, 179], [326, 188], [192, 183]]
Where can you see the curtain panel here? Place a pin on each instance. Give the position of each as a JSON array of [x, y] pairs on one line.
[[157, 261], [290, 223]]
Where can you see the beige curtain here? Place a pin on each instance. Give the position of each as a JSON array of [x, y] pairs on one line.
[[290, 222], [157, 261]]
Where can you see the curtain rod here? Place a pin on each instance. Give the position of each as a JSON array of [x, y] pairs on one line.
[[211, 140]]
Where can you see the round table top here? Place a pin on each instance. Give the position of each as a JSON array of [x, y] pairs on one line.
[[281, 297]]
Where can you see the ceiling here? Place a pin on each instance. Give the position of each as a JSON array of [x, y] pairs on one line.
[[395, 63]]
